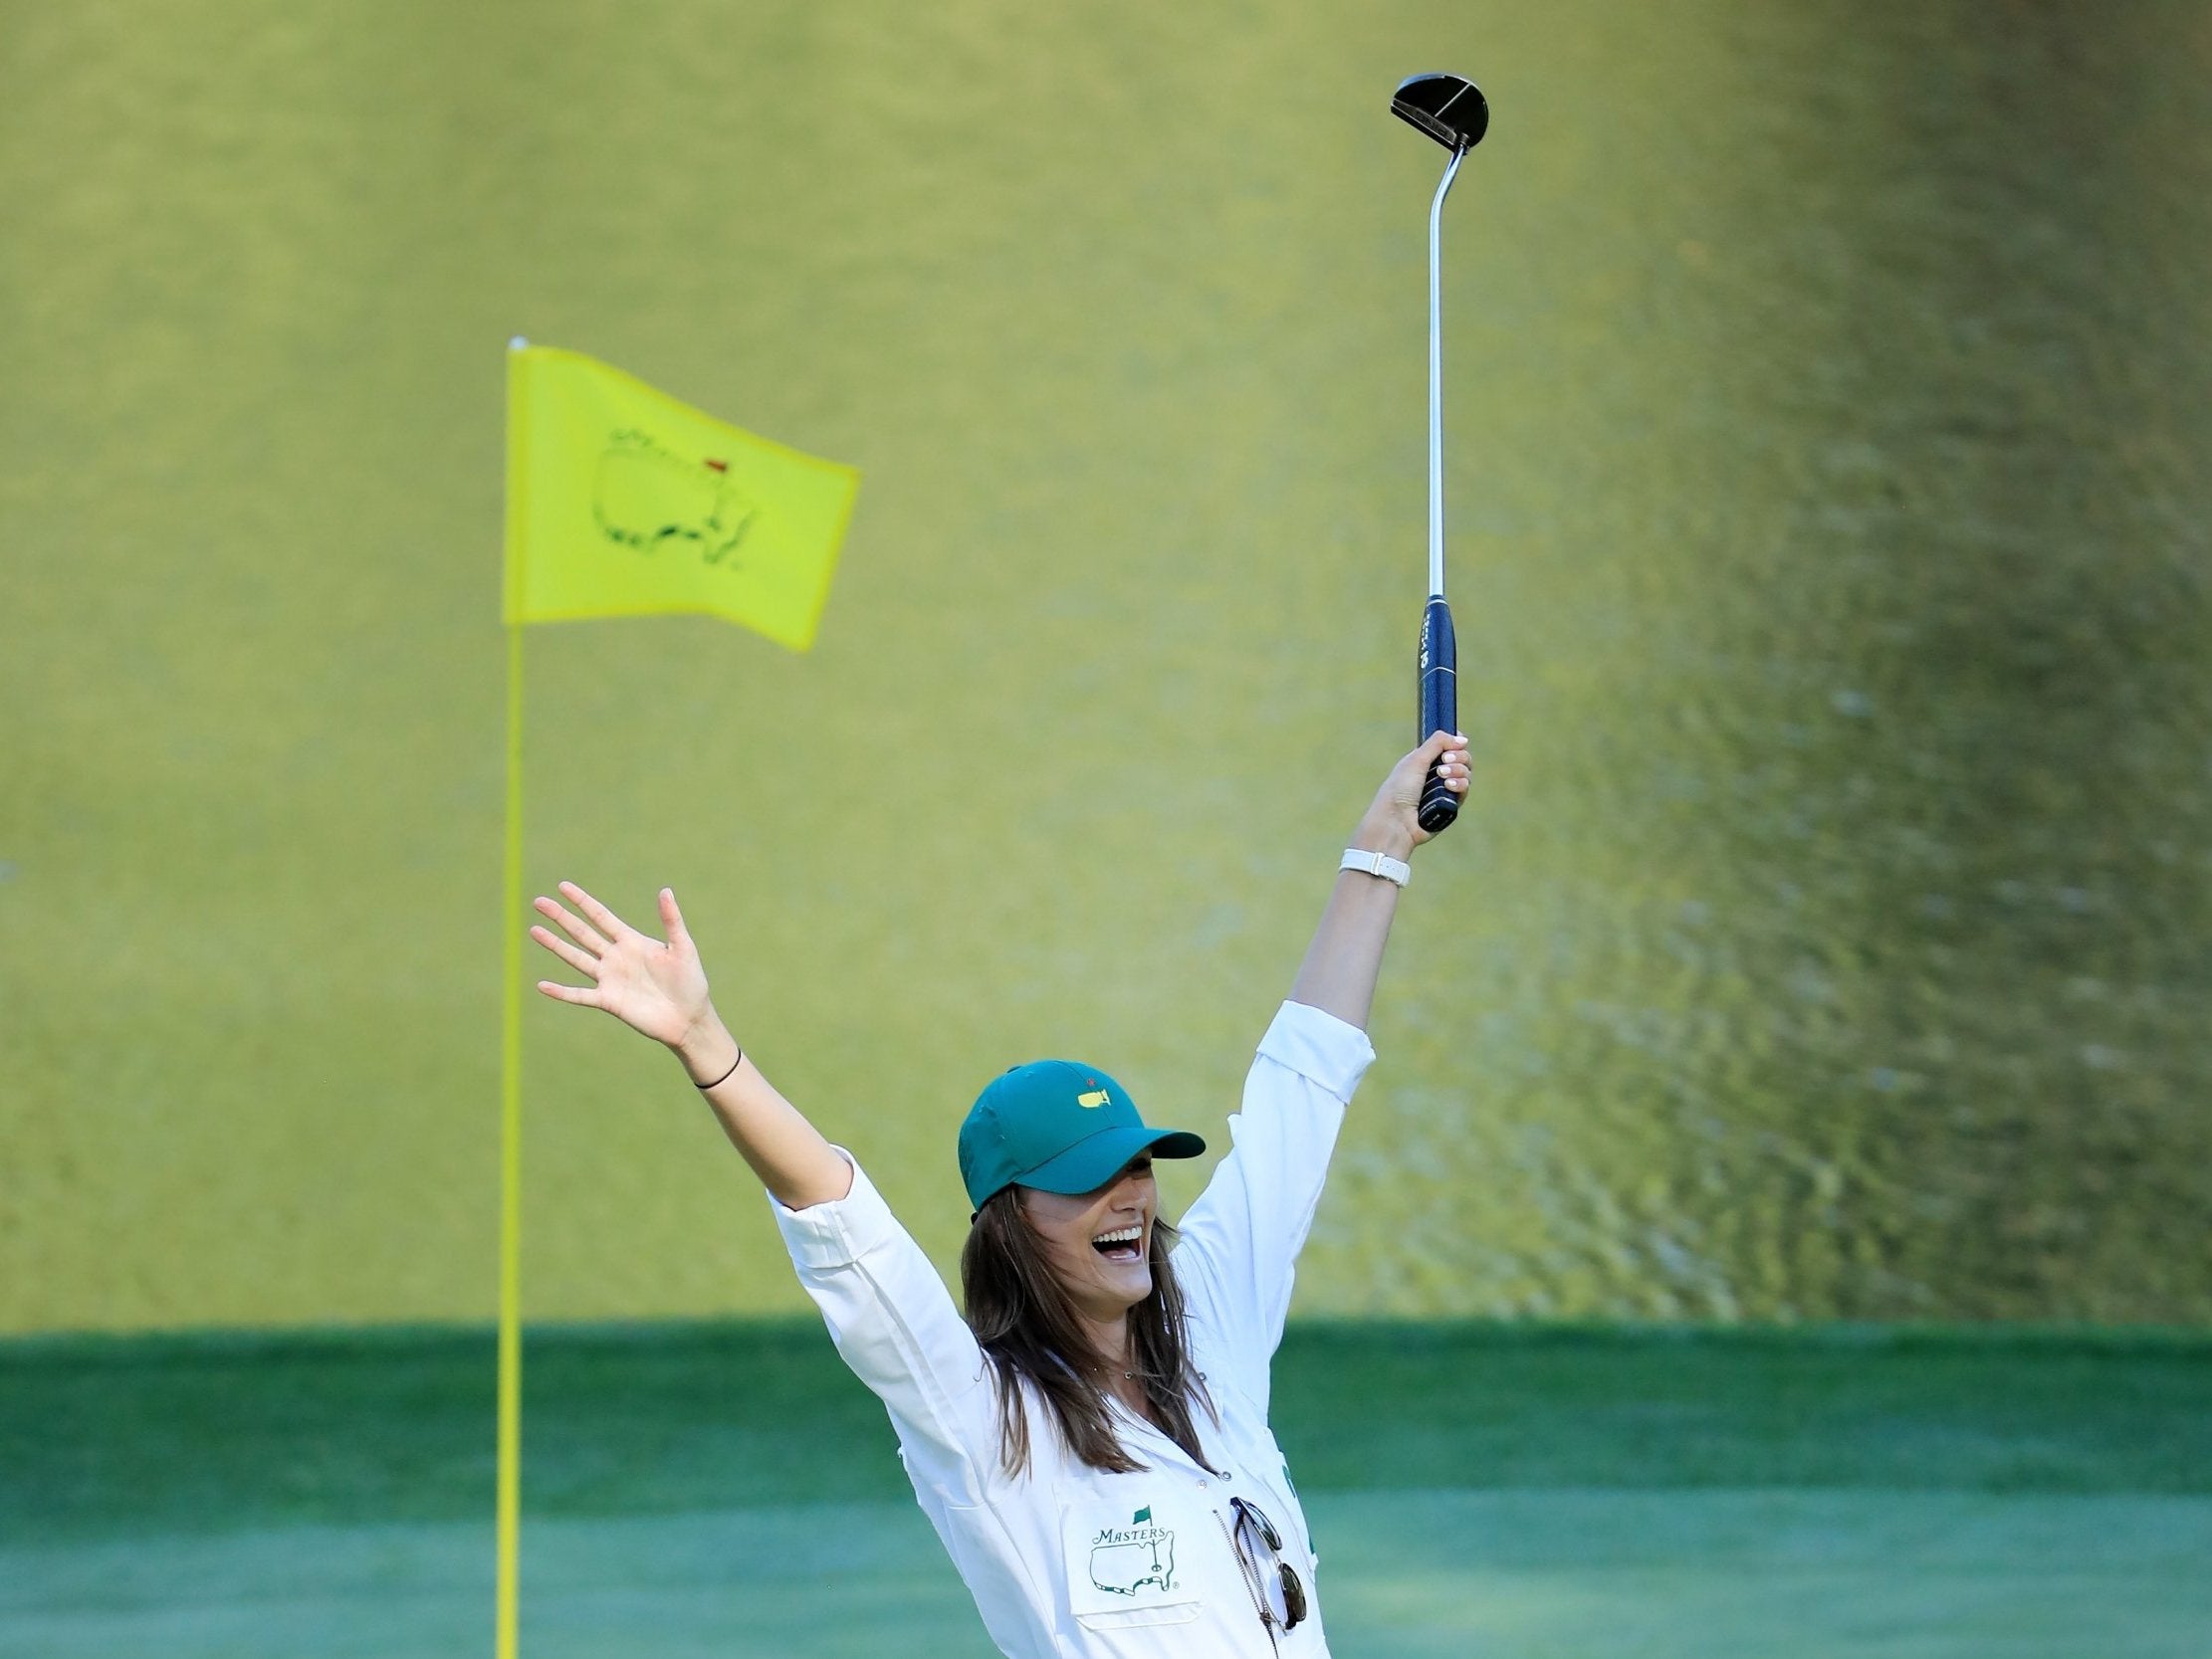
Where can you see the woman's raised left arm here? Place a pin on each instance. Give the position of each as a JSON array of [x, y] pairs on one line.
[[1242, 1238], [1341, 965]]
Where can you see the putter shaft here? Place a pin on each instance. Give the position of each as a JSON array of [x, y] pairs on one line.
[[1435, 377]]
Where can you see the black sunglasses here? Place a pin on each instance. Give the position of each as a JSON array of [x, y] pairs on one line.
[[1294, 1592]]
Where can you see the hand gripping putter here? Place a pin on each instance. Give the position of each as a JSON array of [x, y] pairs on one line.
[[1450, 110]]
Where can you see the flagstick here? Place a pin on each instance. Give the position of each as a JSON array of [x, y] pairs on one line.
[[511, 1141], [511, 1173], [530, 374]]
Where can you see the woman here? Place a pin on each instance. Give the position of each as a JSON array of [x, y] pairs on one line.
[[1091, 1442]]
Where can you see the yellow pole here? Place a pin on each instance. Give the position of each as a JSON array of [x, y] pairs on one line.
[[510, 1500], [510, 1174]]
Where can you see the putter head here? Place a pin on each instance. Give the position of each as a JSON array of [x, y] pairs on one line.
[[1449, 107]]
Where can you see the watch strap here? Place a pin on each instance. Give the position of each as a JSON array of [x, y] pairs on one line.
[[1395, 870]]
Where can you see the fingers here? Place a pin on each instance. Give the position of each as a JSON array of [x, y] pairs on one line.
[[1448, 758], [586, 966], [672, 920], [569, 993], [581, 932], [613, 925]]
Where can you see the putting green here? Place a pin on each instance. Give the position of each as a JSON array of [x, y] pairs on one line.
[[729, 1489], [1407, 1575]]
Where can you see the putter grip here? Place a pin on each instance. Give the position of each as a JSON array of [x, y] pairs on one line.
[[1439, 706]]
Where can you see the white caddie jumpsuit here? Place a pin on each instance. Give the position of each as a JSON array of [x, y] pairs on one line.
[[1069, 1561]]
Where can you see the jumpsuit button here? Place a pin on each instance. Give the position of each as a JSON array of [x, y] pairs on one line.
[[1202, 1485]]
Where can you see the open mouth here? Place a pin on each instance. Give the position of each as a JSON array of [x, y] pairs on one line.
[[1124, 1244]]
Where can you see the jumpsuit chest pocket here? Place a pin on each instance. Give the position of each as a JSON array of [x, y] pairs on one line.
[[1131, 1560]]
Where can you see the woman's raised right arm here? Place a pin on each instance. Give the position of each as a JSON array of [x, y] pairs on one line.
[[659, 990]]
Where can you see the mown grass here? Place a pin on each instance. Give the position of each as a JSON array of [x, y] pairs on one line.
[[103, 1436]]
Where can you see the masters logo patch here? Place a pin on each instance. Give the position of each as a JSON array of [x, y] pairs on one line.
[[1123, 1559]]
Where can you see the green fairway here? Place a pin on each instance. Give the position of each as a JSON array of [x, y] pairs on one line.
[[1530, 1493]]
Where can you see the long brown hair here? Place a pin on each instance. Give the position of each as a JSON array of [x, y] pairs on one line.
[[1027, 1324]]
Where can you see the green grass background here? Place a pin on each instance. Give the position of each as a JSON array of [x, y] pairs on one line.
[[1511, 1490]]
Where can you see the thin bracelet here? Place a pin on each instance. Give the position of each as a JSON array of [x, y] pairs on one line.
[[726, 1076]]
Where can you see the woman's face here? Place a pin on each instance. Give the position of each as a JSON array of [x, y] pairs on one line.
[[1099, 1243]]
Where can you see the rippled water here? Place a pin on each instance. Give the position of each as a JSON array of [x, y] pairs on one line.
[[1828, 397]]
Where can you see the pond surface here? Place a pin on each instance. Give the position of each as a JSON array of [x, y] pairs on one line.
[[1826, 404]]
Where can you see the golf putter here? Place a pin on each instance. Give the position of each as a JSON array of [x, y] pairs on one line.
[[1451, 110]]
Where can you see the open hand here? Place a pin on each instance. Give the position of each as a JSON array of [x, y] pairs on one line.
[[656, 988]]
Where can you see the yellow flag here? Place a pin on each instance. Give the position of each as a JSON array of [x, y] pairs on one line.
[[623, 502]]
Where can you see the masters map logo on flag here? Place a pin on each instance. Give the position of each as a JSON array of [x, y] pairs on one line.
[[623, 502], [648, 498]]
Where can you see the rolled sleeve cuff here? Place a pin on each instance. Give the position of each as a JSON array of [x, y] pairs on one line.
[[1319, 1047], [837, 1233]]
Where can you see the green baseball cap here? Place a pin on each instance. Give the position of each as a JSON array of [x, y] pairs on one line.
[[1059, 1127]]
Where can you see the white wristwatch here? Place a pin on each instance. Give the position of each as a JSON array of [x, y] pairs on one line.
[[1377, 863]]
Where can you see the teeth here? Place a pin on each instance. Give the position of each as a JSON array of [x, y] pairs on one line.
[[1128, 1235]]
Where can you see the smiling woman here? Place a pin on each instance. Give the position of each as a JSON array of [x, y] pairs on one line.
[[1066, 1264], [1086, 1274], [1091, 1442]]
